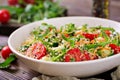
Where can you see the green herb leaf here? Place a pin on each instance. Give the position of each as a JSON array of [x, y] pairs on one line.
[[84, 27], [7, 62], [24, 47], [89, 46], [71, 40], [66, 39], [60, 55], [70, 28], [105, 35]]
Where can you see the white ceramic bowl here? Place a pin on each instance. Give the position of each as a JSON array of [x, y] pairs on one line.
[[79, 69]]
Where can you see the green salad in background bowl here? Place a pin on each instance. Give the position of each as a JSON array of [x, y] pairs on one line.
[[26, 11]]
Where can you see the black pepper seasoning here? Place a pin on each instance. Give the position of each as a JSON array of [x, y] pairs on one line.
[[101, 8]]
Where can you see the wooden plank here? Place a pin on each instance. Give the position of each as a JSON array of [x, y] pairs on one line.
[[17, 71]]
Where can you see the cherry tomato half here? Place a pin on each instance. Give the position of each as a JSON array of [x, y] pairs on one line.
[[29, 1], [12, 2], [86, 56], [38, 50], [115, 48], [4, 16], [73, 55], [90, 36], [5, 52], [76, 55]]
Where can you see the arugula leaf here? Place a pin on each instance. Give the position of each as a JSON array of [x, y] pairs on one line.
[[60, 55], [103, 28], [71, 40], [24, 47], [84, 27], [105, 35], [66, 39], [43, 35], [107, 28], [89, 46], [70, 28], [116, 39], [7, 62]]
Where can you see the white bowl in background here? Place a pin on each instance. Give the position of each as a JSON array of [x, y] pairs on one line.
[[79, 69]]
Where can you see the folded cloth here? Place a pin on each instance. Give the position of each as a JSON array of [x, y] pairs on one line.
[[116, 74], [44, 77]]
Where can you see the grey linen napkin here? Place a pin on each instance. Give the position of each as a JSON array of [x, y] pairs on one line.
[[114, 75]]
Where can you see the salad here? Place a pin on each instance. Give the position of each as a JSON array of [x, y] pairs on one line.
[[71, 43]]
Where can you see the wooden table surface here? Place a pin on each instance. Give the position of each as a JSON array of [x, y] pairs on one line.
[[19, 71]]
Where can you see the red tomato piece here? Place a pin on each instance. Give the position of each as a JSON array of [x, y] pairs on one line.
[[38, 50], [12, 2], [73, 54], [86, 55], [108, 32], [115, 48], [29, 1], [93, 56], [4, 16], [76, 55], [90, 36], [5, 52]]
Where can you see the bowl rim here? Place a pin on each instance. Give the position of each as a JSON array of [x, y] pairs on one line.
[[64, 63]]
